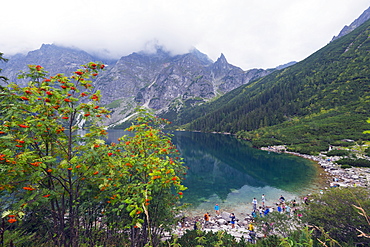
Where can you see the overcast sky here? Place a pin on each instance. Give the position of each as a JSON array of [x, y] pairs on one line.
[[250, 33]]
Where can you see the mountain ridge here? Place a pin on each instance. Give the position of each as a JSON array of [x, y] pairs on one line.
[[160, 81]]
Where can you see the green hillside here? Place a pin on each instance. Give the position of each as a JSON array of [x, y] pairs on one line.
[[320, 100]]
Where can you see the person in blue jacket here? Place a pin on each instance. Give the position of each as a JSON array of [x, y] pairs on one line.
[[232, 220], [217, 209]]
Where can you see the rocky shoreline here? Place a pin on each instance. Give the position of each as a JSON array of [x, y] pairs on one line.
[[221, 222], [337, 176]]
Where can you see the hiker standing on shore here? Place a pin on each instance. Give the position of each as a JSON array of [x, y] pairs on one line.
[[282, 199], [217, 209], [206, 219], [254, 202], [260, 211], [252, 234], [232, 220]]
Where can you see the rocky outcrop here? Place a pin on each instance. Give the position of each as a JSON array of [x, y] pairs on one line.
[[356, 23], [55, 60]]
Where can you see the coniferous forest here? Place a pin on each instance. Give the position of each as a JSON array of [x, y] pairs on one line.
[[322, 99]]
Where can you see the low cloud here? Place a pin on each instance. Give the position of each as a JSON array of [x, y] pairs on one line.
[[251, 34]]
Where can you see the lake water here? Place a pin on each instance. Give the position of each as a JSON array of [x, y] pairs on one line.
[[229, 172]]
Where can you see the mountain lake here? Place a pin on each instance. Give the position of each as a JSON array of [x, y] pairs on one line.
[[227, 171]]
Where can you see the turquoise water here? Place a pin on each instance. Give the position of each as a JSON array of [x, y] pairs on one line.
[[229, 172]]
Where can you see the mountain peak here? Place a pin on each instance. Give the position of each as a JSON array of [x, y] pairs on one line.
[[221, 59], [45, 46], [201, 56]]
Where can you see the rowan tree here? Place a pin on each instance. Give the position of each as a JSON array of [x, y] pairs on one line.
[[146, 184], [65, 179]]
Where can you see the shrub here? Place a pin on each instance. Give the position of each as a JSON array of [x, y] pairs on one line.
[[354, 162], [264, 142], [337, 152], [367, 151], [345, 166], [334, 212], [341, 143], [307, 149], [206, 239]]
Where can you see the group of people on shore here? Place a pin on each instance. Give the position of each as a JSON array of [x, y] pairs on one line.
[[258, 210], [232, 221], [282, 206]]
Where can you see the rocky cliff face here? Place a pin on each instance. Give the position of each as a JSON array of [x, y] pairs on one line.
[[55, 60], [156, 81], [356, 23]]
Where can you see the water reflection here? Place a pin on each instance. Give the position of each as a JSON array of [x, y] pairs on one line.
[[223, 169], [229, 172], [114, 134]]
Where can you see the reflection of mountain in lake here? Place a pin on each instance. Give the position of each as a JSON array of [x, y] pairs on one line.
[[209, 176], [219, 164]]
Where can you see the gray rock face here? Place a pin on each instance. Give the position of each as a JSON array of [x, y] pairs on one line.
[[356, 23], [53, 58], [160, 80], [156, 81]]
